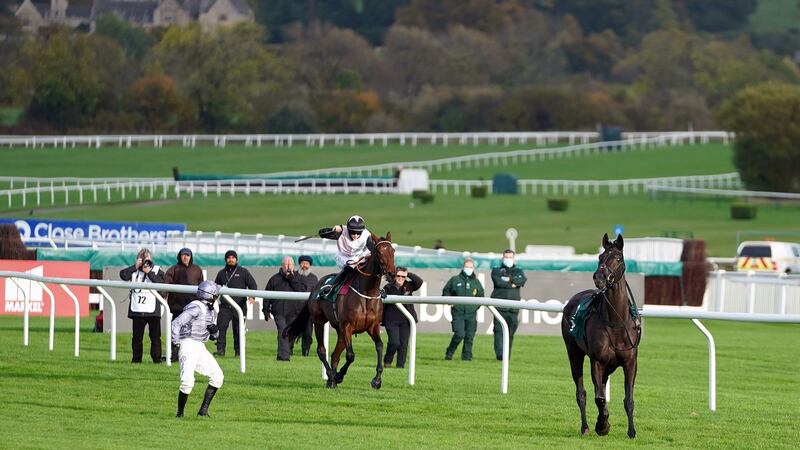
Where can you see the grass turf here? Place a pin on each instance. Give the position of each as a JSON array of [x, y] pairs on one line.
[[53, 400]]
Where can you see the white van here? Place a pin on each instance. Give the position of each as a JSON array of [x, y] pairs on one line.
[[781, 257]]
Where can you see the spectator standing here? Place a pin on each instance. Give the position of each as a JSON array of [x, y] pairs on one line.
[[232, 276], [187, 273], [144, 308], [284, 311], [465, 321], [191, 330], [310, 280], [397, 327], [507, 279]]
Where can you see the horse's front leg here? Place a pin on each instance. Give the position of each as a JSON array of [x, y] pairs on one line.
[[576, 357], [322, 352], [630, 378], [350, 356], [600, 379], [333, 377], [375, 333]]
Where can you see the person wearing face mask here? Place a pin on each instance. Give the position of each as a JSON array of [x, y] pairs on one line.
[[507, 279], [465, 322]]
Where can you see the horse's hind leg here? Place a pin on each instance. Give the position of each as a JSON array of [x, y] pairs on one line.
[[375, 333], [346, 343], [600, 379], [630, 379], [576, 357]]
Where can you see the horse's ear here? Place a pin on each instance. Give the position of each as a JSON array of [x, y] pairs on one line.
[[605, 240], [619, 242], [389, 236]]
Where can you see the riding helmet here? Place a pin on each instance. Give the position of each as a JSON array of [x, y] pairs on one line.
[[207, 290], [355, 224]]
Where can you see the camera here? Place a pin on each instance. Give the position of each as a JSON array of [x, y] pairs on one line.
[[147, 263]]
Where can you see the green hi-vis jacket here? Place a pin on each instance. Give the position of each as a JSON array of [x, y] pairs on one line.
[[464, 286], [507, 281]]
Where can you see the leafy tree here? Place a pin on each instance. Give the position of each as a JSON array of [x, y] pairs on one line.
[[719, 15], [344, 111], [230, 77], [134, 41], [413, 59], [155, 101], [65, 80], [438, 15], [766, 119]]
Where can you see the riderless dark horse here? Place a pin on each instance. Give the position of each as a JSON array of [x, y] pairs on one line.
[[611, 338], [357, 310]]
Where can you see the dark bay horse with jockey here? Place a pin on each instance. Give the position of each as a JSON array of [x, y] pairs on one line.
[[608, 332], [358, 308]]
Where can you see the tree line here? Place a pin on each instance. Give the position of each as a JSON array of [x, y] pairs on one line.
[[395, 65]]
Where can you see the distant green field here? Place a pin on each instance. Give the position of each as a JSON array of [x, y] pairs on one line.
[[775, 15], [54, 400], [462, 222], [150, 162]]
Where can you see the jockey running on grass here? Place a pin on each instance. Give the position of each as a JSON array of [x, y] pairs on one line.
[[353, 245]]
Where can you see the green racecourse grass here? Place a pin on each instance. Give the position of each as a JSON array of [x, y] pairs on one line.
[[53, 400], [149, 162]]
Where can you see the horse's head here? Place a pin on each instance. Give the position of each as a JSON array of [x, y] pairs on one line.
[[384, 253], [611, 267]]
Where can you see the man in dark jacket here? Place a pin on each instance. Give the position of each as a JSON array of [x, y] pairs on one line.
[[310, 280], [143, 306], [284, 311], [396, 323], [507, 279], [232, 276], [184, 272], [465, 322]]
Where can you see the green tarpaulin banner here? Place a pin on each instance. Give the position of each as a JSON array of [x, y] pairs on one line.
[[98, 259]]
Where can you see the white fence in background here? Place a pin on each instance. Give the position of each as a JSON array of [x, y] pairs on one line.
[[490, 303], [656, 189], [91, 190], [322, 140], [753, 292], [588, 187], [510, 158]]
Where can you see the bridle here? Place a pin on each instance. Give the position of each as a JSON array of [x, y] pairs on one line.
[[362, 262], [612, 279]]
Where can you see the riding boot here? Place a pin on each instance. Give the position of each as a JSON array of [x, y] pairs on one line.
[[181, 403], [328, 290], [209, 395]]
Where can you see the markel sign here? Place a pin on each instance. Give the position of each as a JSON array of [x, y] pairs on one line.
[[12, 296]]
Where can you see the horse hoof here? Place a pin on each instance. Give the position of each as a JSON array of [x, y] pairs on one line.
[[376, 384], [330, 384], [631, 434], [585, 430], [339, 379], [602, 431]]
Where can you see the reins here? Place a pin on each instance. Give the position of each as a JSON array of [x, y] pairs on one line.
[[363, 261]]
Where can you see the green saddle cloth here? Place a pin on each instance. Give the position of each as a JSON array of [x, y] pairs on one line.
[[329, 295], [577, 322]]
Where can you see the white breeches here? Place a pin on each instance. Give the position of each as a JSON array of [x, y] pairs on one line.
[[194, 357]]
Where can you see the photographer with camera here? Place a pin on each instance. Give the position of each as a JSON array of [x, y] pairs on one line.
[[284, 311], [143, 306]]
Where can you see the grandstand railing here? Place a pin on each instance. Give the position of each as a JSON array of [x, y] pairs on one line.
[[321, 140], [693, 314]]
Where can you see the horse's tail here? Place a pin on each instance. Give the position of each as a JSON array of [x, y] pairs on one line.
[[298, 325]]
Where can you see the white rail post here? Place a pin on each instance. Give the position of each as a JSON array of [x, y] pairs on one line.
[[77, 318], [504, 375], [240, 317], [52, 314], [113, 321], [167, 326], [412, 354], [712, 366], [25, 313]]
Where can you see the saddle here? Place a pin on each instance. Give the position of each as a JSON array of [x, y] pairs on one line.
[[577, 322], [328, 291]]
